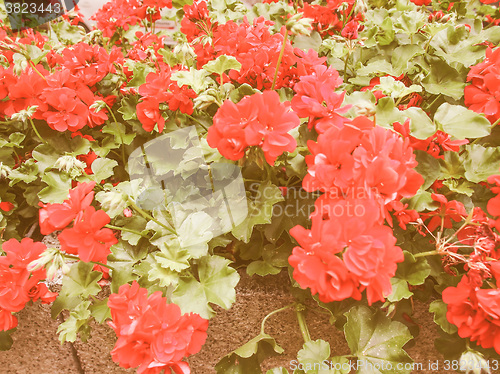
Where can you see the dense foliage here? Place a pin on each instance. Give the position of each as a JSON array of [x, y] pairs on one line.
[[351, 144]]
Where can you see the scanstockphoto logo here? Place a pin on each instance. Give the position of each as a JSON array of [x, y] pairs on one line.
[[28, 14], [170, 174]]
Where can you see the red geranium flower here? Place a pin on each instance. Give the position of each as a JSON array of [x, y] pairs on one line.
[[257, 120], [88, 238], [152, 334], [57, 216]]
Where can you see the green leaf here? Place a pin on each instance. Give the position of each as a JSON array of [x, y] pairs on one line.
[[76, 323], [123, 257], [452, 166], [161, 273], [387, 113], [217, 281], [481, 162], [46, 156], [196, 79], [103, 168], [27, 173], [400, 290], [232, 364], [439, 308], [260, 210], [413, 270], [460, 186], [6, 340], [428, 167], [404, 54], [57, 189], [221, 64], [312, 355], [376, 340], [252, 347], [262, 268], [247, 358], [306, 42], [395, 89], [461, 122], [173, 258], [128, 107], [119, 131], [141, 71], [421, 201], [280, 370], [421, 126], [443, 79], [100, 310], [340, 365], [81, 281]]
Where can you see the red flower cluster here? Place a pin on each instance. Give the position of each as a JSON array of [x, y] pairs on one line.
[[434, 145], [482, 95], [475, 310], [327, 19], [121, 14], [252, 45], [421, 2], [364, 170], [316, 98], [448, 211], [87, 238], [152, 334], [63, 98], [160, 89], [350, 227], [17, 284], [362, 155], [257, 120]]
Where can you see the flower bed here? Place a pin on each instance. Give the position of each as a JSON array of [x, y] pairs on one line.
[[351, 146]]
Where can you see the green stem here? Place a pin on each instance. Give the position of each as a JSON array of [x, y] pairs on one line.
[[302, 323], [126, 229], [271, 314], [425, 254], [280, 57], [119, 133], [35, 69], [495, 123], [197, 121], [36, 132], [148, 216], [71, 257]]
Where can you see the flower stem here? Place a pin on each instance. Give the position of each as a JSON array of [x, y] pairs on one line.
[[36, 132], [197, 121], [301, 318], [280, 57], [271, 314], [126, 229], [148, 216], [71, 257], [425, 254]]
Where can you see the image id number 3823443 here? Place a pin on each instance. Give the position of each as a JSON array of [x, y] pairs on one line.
[[40, 7]]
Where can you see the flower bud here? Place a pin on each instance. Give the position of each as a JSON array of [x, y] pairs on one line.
[[52, 260], [302, 27], [98, 105], [24, 115], [70, 165], [184, 53], [112, 202], [473, 362], [4, 171]]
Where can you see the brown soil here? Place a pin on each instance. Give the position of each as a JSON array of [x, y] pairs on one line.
[[37, 350]]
